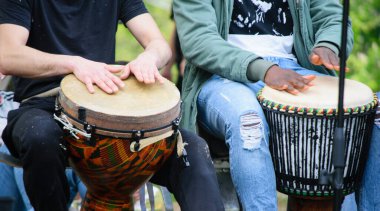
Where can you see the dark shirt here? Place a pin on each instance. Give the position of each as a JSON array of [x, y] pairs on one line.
[[72, 27]]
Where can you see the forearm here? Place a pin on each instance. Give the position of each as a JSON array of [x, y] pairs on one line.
[[31, 63], [159, 51]]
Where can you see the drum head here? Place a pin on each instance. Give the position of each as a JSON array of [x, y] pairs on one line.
[[323, 95], [136, 106]]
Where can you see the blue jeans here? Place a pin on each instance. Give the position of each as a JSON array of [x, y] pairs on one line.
[[229, 110], [368, 196], [12, 185]]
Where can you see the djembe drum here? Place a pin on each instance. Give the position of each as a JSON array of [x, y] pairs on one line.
[[301, 138], [117, 142]]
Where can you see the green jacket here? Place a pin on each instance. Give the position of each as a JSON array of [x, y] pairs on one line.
[[203, 27]]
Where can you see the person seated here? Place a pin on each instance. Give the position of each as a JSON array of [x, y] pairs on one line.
[[233, 49], [42, 41], [11, 178]]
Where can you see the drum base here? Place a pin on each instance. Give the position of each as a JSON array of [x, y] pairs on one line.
[[304, 203], [92, 203]]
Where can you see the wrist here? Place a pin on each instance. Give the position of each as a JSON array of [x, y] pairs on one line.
[[69, 64]]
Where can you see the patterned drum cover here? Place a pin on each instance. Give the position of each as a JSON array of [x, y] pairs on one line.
[[302, 129], [101, 130]]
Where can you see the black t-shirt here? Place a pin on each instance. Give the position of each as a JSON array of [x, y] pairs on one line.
[[72, 27]]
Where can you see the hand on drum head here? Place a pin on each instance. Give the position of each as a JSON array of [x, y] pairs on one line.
[[90, 73], [287, 80], [326, 57], [143, 68]]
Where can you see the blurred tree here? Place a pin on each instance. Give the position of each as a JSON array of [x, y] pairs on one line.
[[364, 61]]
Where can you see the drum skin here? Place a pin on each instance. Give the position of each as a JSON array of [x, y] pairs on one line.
[[105, 162], [301, 138]]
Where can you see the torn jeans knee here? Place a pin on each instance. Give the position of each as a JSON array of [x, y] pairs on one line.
[[251, 130]]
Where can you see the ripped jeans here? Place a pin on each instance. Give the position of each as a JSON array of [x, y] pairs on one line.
[[229, 110]]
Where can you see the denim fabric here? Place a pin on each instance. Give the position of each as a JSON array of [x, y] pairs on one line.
[[227, 109], [12, 185], [368, 196]]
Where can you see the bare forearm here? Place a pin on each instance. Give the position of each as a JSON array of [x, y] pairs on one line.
[[160, 51], [30, 63]]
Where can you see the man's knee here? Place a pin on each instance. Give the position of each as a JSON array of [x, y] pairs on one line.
[[36, 132], [196, 147]]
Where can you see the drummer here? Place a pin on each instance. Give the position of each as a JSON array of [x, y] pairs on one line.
[[232, 49], [40, 42]]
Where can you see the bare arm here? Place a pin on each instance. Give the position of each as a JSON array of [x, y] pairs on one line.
[[20, 60], [156, 54]]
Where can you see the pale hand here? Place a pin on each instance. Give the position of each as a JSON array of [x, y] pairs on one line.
[[144, 69], [90, 73]]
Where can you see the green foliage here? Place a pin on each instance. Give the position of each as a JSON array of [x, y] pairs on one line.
[[364, 61], [127, 48]]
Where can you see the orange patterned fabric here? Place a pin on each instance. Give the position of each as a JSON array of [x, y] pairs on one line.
[[111, 172]]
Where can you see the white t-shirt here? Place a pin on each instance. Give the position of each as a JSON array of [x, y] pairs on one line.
[[262, 27]]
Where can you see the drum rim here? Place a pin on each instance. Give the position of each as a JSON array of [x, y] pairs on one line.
[[123, 126], [315, 111]]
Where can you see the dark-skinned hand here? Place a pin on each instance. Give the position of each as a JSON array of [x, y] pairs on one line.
[[287, 80], [326, 57]]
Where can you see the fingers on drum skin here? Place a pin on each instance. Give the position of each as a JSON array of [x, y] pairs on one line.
[[111, 85], [89, 85], [116, 80], [125, 73], [300, 85], [292, 90], [159, 77], [308, 79], [102, 85]]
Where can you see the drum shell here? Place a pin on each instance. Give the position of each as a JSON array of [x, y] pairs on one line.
[[99, 129], [110, 171], [301, 141], [298, 172]]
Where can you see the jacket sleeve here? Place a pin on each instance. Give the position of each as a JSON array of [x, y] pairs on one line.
[[327, 24], [203, 45]]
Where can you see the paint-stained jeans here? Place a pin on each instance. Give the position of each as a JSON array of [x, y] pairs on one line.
[[229, 110]]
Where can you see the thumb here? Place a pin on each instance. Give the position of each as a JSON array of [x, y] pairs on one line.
[[114, 68], [125, 73], [315, 59]]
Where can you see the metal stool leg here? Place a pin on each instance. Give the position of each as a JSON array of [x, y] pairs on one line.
[[167, 198], [227, 189]]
